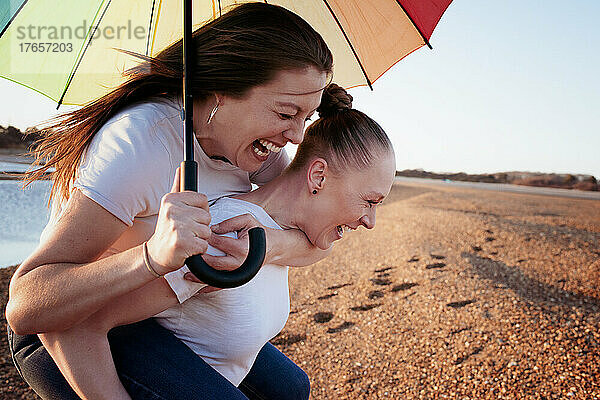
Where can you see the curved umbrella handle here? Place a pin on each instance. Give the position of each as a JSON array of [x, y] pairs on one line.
[[206, 273], [238, 276]]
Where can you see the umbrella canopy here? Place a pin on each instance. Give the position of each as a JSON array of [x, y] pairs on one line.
[[66, 50]]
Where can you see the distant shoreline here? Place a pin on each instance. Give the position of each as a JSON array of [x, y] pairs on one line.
[[15, 155], [535, 179], [14, 145]]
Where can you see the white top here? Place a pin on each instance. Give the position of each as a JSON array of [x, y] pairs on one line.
[[131, 162], [229, 327]]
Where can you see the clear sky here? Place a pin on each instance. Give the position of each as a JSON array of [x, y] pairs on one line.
[[509, 85]]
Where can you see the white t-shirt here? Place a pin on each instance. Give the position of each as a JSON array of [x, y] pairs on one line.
[[131, 162], [228, 328]]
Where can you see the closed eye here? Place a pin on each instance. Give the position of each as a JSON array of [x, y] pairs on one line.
[[372, 203], [285, 116]]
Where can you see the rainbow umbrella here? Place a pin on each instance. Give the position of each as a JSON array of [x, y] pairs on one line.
[[66, 50]]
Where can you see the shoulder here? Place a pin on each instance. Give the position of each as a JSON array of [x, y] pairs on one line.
[[142, 115], [137, 130]]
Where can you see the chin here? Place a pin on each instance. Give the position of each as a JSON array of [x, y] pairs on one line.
[[249, 164], [323, 244]]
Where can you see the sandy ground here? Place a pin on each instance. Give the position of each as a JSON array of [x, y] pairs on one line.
[[457, 294]]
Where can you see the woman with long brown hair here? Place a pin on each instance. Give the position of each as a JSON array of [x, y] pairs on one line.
[[343, 169], [259, 74]]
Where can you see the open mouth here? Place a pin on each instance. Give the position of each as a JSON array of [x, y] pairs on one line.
[[262, 147], [342, 228]]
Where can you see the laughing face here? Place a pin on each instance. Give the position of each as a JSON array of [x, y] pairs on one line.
[[246, 130], [344, 203]]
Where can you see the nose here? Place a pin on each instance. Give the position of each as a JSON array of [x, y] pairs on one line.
[[295, 133], [368, 220]]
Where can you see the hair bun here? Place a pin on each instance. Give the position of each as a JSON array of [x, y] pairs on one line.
[[335, 99]]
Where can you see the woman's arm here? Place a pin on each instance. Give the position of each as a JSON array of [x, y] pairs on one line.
[[284, 247], [82, 352], [63, 283], [59, 285]]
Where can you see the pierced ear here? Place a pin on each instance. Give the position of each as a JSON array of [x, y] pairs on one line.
[[316, 174]]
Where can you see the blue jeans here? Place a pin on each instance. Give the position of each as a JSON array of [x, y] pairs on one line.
[[153, 364]]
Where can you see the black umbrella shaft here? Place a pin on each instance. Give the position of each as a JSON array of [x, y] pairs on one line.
[[189, 181], [188, 70]]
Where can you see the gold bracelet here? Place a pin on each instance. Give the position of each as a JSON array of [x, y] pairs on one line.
[[147, 261]]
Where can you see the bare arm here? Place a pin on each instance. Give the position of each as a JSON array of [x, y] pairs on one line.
[[292, 247], [63, 282], [82, 352], [60, 283], [284, 247]]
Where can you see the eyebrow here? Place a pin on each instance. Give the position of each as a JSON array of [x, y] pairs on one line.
[[296, 107], [288, 104]]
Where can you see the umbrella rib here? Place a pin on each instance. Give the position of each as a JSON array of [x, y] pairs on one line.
[[415, 25], [81, 57], [150, 26], [13, 18], [349, 44]]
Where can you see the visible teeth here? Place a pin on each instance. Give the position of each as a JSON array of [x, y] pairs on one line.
[[270, 146], [260, 153], [340, 230]]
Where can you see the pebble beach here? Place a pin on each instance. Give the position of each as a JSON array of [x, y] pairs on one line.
[[456, 294]]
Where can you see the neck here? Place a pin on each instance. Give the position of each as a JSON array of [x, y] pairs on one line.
[[204, 132], [283, 199]]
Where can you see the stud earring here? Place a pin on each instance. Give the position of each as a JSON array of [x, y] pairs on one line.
[[212, 113], [315, 191]]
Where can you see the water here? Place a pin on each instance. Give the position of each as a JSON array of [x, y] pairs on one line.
[[13, 167], [23, 216]]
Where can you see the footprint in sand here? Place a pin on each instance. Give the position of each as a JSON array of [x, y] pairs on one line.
[[460, 304], [375, 294], [414, 259], [490, 239], [322, 317], [494, 253], [287, 339], [334, 287], [365, 307], [404, 286], [476, 248], [383, 269], [455, 331], [381, 281], [435, 265], [488, 231], [326, 296], [383, 275], [437, 256], [464, 358], [341, 327]]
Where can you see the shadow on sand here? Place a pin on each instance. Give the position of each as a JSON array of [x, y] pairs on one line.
[[531, 290]]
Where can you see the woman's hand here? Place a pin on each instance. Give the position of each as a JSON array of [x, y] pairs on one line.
[[182, 229], [236, 250], [284, 247]]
